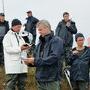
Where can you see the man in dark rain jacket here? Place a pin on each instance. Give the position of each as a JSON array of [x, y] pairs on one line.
[[65, 30], [47, 58], [30, 26]]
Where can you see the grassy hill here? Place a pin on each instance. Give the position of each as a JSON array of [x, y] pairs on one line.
[[30, 82]]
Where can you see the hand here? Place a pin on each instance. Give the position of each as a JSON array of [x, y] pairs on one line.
[[75, 52], [25, 47], [68, 24], [29, 61]]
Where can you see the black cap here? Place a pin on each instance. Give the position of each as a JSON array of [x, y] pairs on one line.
[[2, 14], [29, 11], [78, 35], [16, 22]]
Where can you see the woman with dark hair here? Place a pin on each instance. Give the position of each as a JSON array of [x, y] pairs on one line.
[[80, 63]]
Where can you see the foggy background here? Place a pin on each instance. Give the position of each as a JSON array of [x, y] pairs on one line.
[[50, 10]]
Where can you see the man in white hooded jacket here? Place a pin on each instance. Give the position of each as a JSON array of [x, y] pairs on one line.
[[14, 47]]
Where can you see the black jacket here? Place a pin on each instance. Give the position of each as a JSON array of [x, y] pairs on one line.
[[4, 28], [80, 66], [47, 58], [30, 26], [66, 33]]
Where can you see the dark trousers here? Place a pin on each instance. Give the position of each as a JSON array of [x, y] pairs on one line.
[[1, 55], [80, 85], [55, 85], [13, 80]]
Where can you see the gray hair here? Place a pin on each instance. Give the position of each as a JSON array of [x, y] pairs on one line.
[[44, 23]]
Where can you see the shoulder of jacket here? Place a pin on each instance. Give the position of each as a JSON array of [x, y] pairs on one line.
[[87, 48], [72, 22], [60, 22], [9, 33], [35, 19], [6, 22], [6, 37], [56, 39]]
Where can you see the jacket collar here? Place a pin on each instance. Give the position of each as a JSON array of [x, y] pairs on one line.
[[46, 38], [64, 20], [29, 17], [13, 32]]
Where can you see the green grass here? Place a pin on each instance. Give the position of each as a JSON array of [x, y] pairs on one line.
[[30, 82]]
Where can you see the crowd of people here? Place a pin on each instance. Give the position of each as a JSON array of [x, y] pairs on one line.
[[50, 56]]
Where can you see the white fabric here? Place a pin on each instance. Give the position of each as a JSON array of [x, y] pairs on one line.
[[12, 54]]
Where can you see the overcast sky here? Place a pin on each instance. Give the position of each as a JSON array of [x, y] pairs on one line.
[[50, 10]]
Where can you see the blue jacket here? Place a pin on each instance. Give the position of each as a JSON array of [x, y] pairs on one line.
[[47, 58], [79, 70]]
